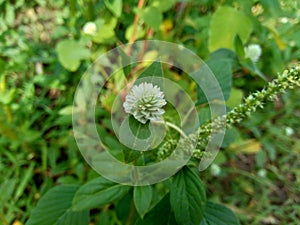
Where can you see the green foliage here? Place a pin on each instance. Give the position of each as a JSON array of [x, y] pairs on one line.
[[106, 33], [187, 197], [163, 6], [140, 131], [142, 196], [225, 24], [162, 208], [152, 17], [44, 50], [97, 192], [115, 7], [154, 70], [7, 189], [70, 53], [221, 68], [216, 214], [239, 47], [56, 208]]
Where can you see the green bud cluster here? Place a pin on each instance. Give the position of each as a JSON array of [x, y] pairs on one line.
[[185, 146], [289, 79], [166, 149]]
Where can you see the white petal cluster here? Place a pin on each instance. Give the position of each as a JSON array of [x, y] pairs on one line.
[[90, 28], [262, 173], [145, 102], [253, 52], [215, 170], [289, 131]]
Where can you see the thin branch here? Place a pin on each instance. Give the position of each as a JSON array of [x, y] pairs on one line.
[[135, 25], [173, 126]]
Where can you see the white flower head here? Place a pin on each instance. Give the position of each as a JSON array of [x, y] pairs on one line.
[[289, 131], [90, 28], [215, 170], [283, 20], [253, 52], [145, 102], [262, 173]]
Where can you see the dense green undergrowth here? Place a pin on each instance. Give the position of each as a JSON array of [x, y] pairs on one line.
[[45, 48]]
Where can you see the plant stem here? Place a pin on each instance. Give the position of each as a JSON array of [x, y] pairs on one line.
[[184, 10], [2, 218], [173, 126], [90, 10], [176, 128], [135, 22], [131, 214]]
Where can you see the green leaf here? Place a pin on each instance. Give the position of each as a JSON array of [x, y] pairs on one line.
[[261, 158], [152, 17], [222, 71], [130, 155], [115, 7], [27, 175], [106, 33], [108, 218], [141, 131], [227, 22], [187, 197], [139, 136], [230, 136], [139, 32], [239, 47], [204, 115], [54, 208], [70, 53], [142, 196], [74, 218], [9, 14], [163, 6], [155, 69], [122, 208], [272, 7], [98, 192], [227, 54], [6, 190], [236, 98], [247, 63], [66, 110], [8, 96], [216, 214], [126, 61], [159, 215]]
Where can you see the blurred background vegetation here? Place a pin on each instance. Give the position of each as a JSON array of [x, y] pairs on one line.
[[45, 47]]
